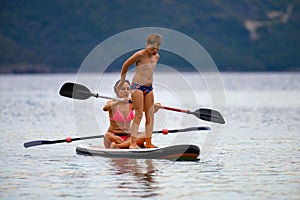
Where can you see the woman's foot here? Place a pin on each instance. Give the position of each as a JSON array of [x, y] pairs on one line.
[[134, 146], [113, 145]]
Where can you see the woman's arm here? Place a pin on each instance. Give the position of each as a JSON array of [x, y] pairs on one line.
[[109, 105]]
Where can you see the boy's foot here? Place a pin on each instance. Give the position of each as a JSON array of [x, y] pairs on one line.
[[149, 143], [134, 146], [150, 146]]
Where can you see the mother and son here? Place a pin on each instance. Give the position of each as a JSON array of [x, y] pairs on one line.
[[124, 123]]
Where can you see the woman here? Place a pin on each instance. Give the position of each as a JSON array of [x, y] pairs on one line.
[[121, 115]]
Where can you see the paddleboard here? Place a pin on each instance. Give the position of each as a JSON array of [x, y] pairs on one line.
[[175, 152]]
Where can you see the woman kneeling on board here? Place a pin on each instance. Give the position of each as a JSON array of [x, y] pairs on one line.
[[121, 114]]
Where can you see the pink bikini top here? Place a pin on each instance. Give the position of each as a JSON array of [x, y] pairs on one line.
[[118, 117]]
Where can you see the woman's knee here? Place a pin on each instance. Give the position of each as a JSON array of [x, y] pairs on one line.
[[107, 141]]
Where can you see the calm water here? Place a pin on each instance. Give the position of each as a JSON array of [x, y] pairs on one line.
[[257, 155]]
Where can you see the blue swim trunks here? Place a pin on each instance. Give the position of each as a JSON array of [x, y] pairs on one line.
[[145, 89]]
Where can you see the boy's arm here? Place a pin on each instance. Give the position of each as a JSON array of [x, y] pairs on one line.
[[130, 61]]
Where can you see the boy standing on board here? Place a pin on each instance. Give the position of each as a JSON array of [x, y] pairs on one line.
[[141, 86]]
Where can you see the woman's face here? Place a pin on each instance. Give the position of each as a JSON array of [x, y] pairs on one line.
[[124, 91]]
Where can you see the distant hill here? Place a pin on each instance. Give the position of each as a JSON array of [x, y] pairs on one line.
[[240, 35]]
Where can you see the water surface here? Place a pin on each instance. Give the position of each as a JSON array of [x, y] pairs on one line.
[[256, 156]]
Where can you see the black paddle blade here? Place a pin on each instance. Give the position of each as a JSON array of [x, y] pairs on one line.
[[33, 143], [36, 143], [75, 91], [209, 115]]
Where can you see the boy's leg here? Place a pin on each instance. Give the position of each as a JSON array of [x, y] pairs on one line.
[[138, 104], [141, 139], [149, 113]]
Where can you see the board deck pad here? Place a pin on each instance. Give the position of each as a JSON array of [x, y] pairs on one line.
[[174, 152]]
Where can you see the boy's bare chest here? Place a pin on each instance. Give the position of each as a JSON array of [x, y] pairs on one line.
[[147, 60]]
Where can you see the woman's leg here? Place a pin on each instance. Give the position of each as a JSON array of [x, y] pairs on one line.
[[126, 143], [106, 141], [123, 145], [138, 104], [110, 137], [149, 113]]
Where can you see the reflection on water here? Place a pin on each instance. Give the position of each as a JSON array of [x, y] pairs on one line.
[[139, 177]]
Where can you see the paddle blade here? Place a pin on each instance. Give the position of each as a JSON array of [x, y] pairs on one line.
[[75, 91], [35, 143], [209, 115]]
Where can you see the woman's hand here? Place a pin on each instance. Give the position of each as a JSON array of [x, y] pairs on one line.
[[156, 107], [125, 100]]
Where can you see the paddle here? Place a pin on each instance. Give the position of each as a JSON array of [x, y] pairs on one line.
[[69, 139], [77, 91], [202, 113]]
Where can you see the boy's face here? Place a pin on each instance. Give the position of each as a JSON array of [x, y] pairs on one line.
[[152, 49]]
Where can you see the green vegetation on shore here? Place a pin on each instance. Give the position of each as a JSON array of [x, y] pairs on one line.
[[56, 35]]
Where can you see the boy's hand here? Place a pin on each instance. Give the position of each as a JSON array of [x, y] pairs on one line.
[[120, 85]]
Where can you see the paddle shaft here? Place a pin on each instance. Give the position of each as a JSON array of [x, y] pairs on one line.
[[69, 139], [208, 116], [129, 101], [174, 109]]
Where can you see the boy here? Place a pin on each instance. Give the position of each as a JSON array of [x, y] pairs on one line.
[[141, 86]]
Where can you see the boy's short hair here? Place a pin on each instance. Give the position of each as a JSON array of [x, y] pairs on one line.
[[154, 39]]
